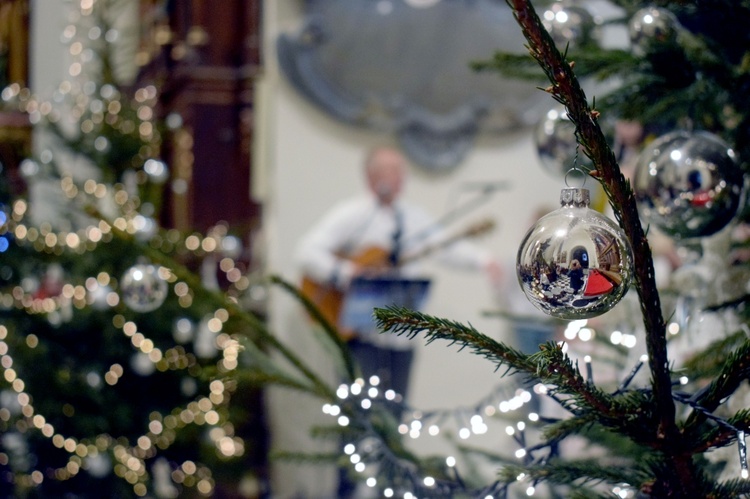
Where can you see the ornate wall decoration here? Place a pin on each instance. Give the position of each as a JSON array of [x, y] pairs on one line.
[[404, 66]]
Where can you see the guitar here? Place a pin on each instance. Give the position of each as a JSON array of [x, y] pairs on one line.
[[329, 299]]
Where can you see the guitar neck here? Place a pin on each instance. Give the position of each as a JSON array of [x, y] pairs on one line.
[[471, 231]]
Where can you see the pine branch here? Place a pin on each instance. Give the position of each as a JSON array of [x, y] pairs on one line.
[[566, 89], [725, 433], [329, 328], [736, 369], [710, 361], [739, 487], [627, 413], [256, 325], [411, 323], [578, 473]]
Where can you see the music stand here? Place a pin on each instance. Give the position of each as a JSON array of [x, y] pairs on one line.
[[367, 293]]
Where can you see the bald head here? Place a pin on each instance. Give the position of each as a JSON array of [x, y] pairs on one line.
[[385, 169]]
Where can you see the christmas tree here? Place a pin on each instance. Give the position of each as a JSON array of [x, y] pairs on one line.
[[125, 367], [121, 340], [683, 80]]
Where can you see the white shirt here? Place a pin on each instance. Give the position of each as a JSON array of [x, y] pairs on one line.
[[355, 225]]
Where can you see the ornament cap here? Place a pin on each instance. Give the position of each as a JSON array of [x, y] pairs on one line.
[[575, 196]]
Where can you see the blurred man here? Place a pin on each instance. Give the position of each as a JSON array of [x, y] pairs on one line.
[[379, 234]]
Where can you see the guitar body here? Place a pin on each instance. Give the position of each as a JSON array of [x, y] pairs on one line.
[[329, 300]]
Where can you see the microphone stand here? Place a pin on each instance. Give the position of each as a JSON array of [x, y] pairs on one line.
[[487, 191]]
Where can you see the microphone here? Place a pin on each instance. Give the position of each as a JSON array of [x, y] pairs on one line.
[[488, 186]]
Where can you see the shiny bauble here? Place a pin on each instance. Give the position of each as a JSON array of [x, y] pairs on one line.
[[574, 263], [651, 27], [556, 145], [142, 288], [568, 25], [688, 184]]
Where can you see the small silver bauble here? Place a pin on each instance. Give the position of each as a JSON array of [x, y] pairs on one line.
[[650, 27], [556, 145], [568, 25], [574, 263], [688, 184], [142, 288]]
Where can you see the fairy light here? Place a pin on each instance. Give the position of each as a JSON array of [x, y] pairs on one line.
[[742, 449], [589, 369]]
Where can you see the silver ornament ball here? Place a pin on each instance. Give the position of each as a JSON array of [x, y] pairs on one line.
[[650, 27], [556, 145], [568, 25], [574, 263], [142, 288], [688, 184]]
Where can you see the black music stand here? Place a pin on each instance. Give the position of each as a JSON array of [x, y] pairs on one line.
[[366, 293]]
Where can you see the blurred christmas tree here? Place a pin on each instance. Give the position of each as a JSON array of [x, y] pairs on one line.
[[121, 366]]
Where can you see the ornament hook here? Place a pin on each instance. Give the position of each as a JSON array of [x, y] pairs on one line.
[[579, 173]]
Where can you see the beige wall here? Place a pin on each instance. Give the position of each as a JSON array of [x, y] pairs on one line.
[[308, 161]]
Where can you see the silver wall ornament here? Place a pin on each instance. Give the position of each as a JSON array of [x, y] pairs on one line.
[[403, 66]]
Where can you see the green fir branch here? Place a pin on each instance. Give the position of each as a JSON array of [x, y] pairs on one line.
[[735, 488], [628, 413], [725, 433], [709, 362], [330, 330], [518, 66], [736, 370], [402, 321], [578, 473]]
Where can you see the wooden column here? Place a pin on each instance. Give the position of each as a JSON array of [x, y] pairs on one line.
[[203, 57]]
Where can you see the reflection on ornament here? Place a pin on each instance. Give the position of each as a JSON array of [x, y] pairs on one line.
[[688, 184], [568, 24], [142, 288], [556, 144], [650, 27], [574, 263]]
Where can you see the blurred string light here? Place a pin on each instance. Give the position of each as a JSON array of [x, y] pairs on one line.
[[371, 453], [129, 461]]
